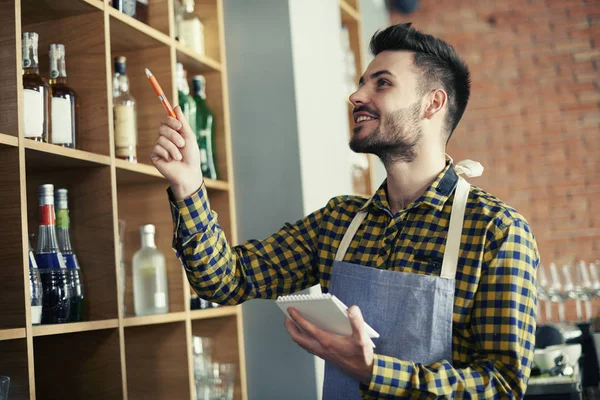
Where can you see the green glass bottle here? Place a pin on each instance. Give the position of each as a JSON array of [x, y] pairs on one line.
[[186, 102], [205, 122]]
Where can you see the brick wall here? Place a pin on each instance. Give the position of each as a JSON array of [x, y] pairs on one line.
[[533, 120]]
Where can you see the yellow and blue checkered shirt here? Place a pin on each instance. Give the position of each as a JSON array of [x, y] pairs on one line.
[[493, 331]]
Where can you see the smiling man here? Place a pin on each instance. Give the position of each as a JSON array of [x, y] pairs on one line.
[[444, 271]]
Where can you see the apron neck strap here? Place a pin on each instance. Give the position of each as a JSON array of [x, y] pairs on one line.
[[450, 262]]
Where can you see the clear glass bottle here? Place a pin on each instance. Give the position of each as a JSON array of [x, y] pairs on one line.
[[192, 29], [35, 92], [63, 100], [74, 277], [186, 101], [35, 289], [127, 7], [205, 125], [56, 294], [125, 118], [150, 289]]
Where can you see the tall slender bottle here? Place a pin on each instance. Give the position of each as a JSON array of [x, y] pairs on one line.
[[74, 277], [35, 92], [150, 289], [186, 102], [35, 289], [205, 125], [63, 106], [56, 293], [124, 114]]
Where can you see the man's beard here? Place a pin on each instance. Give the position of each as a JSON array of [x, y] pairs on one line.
[[399, 141]]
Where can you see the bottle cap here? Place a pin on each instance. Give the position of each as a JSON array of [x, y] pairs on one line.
[[120, 65], [30, 37], [46, 195], [61, 196], [148, 229]]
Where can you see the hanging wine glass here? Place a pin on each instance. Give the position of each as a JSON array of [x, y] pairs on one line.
[[544, 302], [583, 287], [557, 293]]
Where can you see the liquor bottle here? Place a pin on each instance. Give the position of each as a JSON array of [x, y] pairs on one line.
[[150, 290], [35, 92], [186, 102], [192, 30], [205, 125], [56, 300], [124, 114], [74, 277], [127, 7], [63, 100], [35, 289]]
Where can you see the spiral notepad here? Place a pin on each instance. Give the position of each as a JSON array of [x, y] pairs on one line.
[[324, 310]]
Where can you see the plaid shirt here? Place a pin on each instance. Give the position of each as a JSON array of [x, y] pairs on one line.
[[495, 298]]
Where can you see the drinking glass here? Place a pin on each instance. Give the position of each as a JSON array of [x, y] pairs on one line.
[[543, 298], [557, 292], [223, 381], [4, 386]]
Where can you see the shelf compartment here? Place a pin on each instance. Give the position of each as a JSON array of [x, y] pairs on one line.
[[59, 329], [12, 314], [14, 364], [224, 332], [44, 156], [34, 11], [155, 16], [215, 101], [92, 234], [89, 364], [9, 334], [210, 13], [219, 312], [200, 62], [148, 204], [83, 37], [10, 76], [129, 34], [157, 362], [154, 319]]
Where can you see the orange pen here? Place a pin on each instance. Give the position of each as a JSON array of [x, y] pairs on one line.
[[160, 93]]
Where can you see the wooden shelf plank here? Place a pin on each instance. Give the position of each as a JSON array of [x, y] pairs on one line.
[[129, 34], [33, 11], [219, 312], [200, 63], [349, 13], [9, 140], [44, 155], [8, 334], [58, 329], [136, 173], [154, 319]]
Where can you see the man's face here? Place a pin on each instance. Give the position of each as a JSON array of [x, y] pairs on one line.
[[387, 109]]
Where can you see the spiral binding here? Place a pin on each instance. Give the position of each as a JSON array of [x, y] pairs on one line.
[[303, 297]]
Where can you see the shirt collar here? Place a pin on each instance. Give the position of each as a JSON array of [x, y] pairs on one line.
[[435, 196]]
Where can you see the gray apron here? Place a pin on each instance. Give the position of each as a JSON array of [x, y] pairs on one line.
[[411, 312]]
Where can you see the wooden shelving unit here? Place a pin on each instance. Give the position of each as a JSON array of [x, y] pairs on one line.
[[112, 354], [350, 13]]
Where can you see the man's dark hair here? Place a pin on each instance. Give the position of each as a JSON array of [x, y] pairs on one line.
[[438, 62]]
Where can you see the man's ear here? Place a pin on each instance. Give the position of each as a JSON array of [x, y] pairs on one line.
[[436, 100]]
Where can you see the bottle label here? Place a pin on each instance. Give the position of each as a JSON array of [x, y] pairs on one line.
[[47, 215], [53, 67], [160, 300], [25, 46], [36, 315], [70, 261], [50, 261], [62, 120], [62, 218], [125, 132], [33, 113]]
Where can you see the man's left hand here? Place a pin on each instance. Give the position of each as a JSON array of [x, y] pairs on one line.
[[353, 354]]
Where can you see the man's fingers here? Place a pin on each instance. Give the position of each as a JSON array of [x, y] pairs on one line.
[[171, 122], [358, 324], [170, 147], [185, 131], [172, 135], [159, 151], [301, 338]]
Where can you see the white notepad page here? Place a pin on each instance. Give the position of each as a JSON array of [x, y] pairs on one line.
[[324, 310]]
